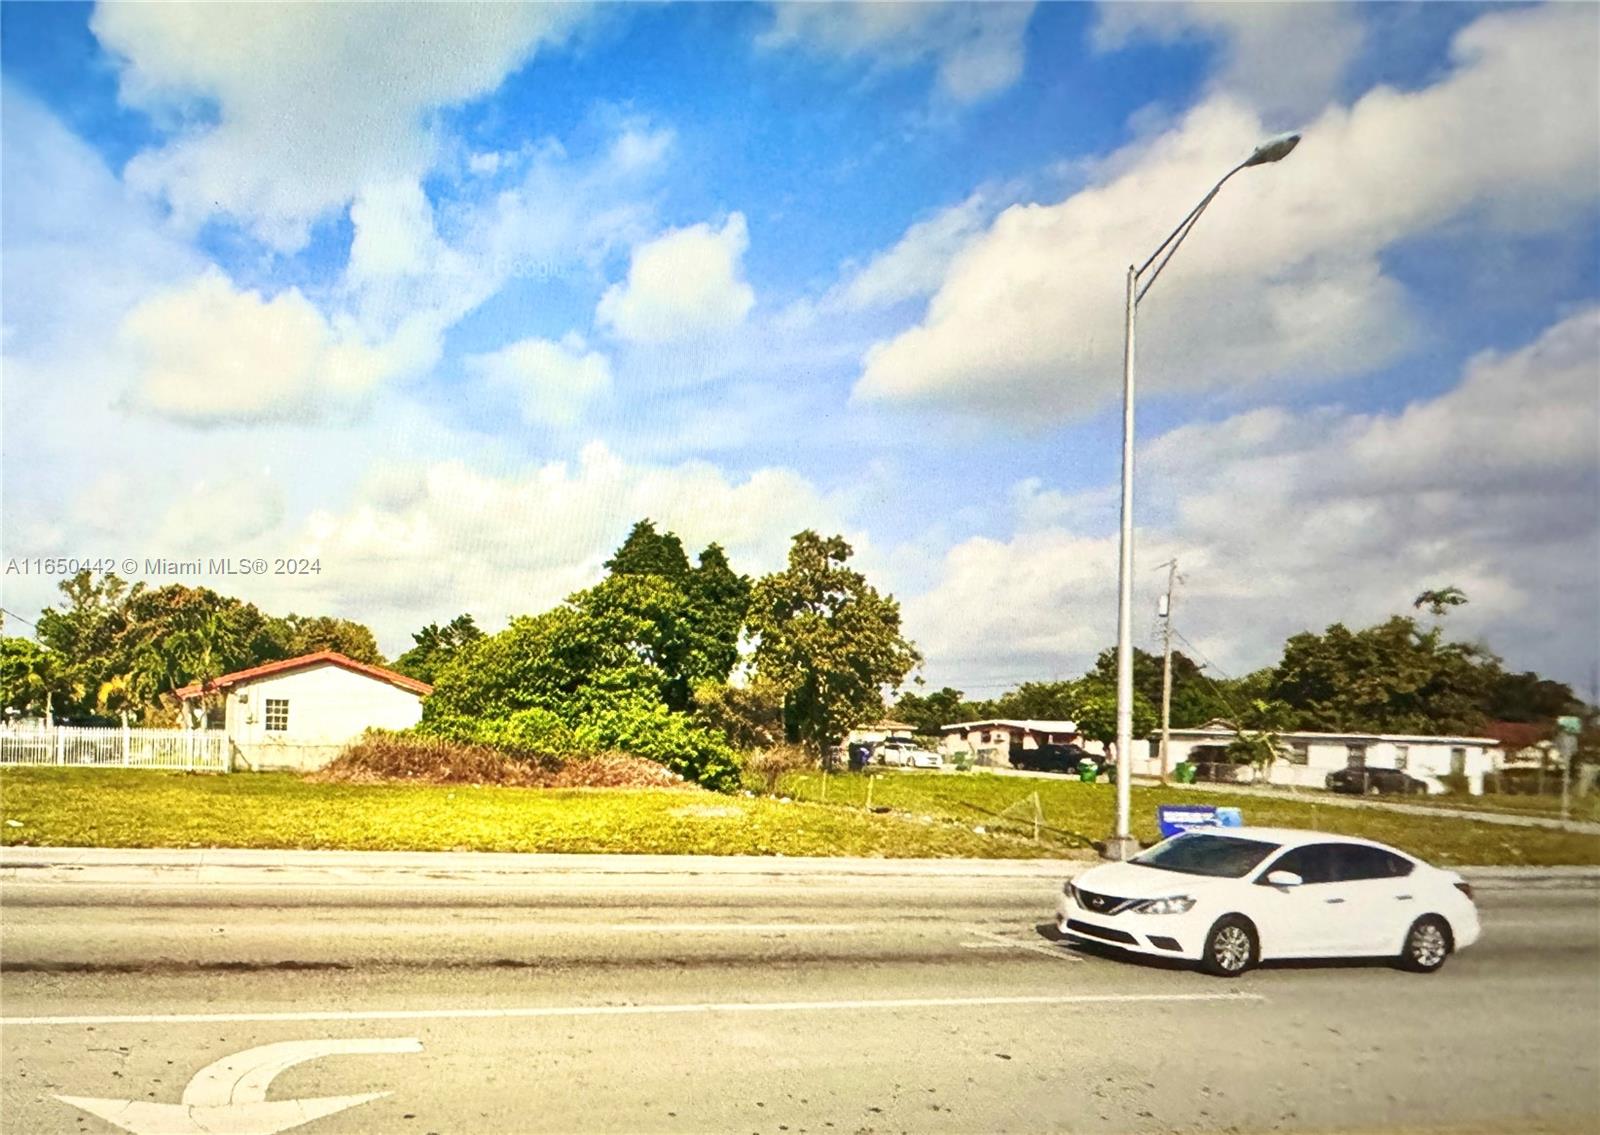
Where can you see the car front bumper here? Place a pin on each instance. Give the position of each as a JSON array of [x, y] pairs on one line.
[[1155, 935]]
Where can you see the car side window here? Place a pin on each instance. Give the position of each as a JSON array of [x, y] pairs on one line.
[[1313, 863], [1354, 863]]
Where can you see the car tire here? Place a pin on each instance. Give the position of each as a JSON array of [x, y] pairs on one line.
[[1231, 947], [1427, 945]]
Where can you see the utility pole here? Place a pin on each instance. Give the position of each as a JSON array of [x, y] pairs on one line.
[[1166, 670]]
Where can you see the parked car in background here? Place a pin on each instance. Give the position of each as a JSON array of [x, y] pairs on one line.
[[1053, 758], [1228, 898], [1383, 781], [904, 754]]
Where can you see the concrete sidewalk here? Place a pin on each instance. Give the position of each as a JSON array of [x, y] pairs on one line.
[[132, 865]]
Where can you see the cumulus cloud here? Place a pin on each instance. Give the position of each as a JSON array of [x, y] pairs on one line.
[[683, 284], [977, 50], [915, 265], [1285, 275], [552, 381], [209, 353], [1287, 520], [1285, 59], [518, 542], [282, 113]]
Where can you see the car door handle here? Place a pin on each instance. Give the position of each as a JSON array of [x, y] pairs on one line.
[[1332, 900], [1402, 898]]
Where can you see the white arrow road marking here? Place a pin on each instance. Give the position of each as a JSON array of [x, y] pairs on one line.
[[229, 1097]]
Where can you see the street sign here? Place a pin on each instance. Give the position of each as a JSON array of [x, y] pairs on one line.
[[1571, 725], [229, 1097]]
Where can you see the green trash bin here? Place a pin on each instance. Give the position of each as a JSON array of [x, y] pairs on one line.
[[1183, 772], [1088, 772]]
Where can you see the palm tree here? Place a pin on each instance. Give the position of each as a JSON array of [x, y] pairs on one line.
[[1439, 600]]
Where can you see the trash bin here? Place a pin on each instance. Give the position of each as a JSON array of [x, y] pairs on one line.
[[1088, 772], [1183, 772]]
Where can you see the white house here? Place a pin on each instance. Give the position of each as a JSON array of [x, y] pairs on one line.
[[991, 742], [1312, 756], [300, 712]]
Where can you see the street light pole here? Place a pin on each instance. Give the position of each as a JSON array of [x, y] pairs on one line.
[[1121, 844]]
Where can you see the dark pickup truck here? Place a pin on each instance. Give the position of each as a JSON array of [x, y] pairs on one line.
[[1052, 758]]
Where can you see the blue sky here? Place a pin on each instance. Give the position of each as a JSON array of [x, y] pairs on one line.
[[449, 296]]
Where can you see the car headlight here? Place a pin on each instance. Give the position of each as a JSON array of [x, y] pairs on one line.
[[1177, 904]]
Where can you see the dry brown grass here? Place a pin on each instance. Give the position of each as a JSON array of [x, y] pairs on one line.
[[387, 758]]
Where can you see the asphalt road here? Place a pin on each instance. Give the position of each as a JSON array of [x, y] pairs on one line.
[[752, 1004]]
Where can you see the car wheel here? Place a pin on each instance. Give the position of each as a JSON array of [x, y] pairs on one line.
[[1231, 947], [1427, 944]]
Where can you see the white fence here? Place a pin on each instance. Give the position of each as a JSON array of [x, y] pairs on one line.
[[111, 747]]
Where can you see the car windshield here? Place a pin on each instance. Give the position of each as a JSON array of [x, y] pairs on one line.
[[1194, 853]]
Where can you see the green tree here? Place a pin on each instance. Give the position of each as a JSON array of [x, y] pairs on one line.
[[1095, 712], [1527, 697], [31, 681], [435, 646], [310, 634], [719, 599], [1195, 700], [1391, 678], [648, 552], [928, 713], [80, 634], [749, 716], [1439, 600], [1037, 701], [828, 639]]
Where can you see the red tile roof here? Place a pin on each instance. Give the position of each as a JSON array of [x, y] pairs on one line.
[[332, 657], [1514, 736]]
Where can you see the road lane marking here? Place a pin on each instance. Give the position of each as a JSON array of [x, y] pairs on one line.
[[230, 1095], [1001, 940], [464, 1014]]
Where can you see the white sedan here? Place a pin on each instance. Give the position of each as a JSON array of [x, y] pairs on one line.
[[1231, 897], [908, 756]]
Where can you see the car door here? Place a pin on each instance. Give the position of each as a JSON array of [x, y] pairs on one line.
[[1301, 921], [1380, 898]]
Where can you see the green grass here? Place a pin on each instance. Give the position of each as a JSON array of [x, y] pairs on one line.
[[1585, 808], [931, 817], [130, 808], [1087, 811]]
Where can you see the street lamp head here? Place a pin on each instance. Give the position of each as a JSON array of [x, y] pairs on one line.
[[1273, 150]]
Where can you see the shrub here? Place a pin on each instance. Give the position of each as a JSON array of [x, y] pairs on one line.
[[650, 730], [768, 766], [385, 757]]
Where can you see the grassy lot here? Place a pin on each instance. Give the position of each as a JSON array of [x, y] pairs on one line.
[[1580, 808], [931, 817], [1087, 811], [131, 808]]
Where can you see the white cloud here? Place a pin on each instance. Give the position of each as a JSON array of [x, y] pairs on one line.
[[208, 353], [1284, 276], [519, 542], [553, 382], [916, 264], [684, 284], [284, 112], [978, 49], [1286, 59], [1284, 521]]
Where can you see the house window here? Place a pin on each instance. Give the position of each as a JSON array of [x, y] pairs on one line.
[[277, 715], [1402, 753], [1355, 756], [1299, 753]]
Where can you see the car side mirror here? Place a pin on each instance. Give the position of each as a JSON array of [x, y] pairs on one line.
[[1284, 879]]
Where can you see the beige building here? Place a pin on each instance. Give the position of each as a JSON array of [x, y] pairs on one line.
[[991, 742], [300, 712]]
